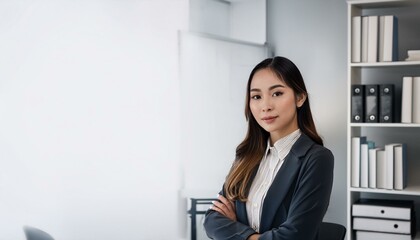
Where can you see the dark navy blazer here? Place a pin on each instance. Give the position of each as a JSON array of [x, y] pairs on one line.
[[295, 203]]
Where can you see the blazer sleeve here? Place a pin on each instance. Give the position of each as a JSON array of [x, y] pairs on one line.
[[310, 199], [219, 227]]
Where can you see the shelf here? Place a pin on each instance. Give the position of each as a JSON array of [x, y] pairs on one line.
[[398, 125], [412, 191], [380, 3], [386, 64]]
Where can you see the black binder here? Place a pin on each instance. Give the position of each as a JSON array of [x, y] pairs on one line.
[[386, 103], [371, 103], [357, 103]]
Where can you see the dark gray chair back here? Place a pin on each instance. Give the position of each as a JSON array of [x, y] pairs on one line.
[[331, 231], [36, 234]]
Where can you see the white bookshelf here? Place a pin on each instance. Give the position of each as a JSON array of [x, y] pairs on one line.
[[385, 125], [387, 73], [387, 64]]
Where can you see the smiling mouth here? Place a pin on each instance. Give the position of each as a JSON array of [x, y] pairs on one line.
[[269, 119]]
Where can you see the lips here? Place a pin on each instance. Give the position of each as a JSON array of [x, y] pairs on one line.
[[269, 119]]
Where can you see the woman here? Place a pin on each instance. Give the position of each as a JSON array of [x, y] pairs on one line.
[[280, 183]]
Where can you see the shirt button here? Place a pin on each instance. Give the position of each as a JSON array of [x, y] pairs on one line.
[[255, 205]]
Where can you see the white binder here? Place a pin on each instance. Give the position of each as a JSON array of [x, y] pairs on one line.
[[363, 235], [384, 208], [382, 225], [363, 210]]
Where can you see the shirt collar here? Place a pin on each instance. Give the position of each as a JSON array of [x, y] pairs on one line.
[[282, 143]]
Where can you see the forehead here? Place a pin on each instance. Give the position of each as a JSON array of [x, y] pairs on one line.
[[265, 78]]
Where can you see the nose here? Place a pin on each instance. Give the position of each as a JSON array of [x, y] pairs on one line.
[[266, 105]]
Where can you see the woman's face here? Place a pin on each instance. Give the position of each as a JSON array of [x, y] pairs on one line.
[[274, 104]]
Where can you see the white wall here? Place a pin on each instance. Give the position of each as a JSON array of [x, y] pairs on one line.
[[210, 16], [89, 125], [248, 20], [243, 20], [313, 35]]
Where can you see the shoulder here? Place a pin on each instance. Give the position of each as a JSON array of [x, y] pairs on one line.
[[305, 146], [321, 157], [317, 163], [310, 152], [320, 151]]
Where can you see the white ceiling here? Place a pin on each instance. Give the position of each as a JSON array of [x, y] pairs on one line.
[[235, 0]]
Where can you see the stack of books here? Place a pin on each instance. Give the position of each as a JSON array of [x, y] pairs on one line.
[[374, 38], [384, 219], [378, 167], [372, 103], [413, 55]]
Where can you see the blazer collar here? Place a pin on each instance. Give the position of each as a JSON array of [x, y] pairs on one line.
[[283, 181]]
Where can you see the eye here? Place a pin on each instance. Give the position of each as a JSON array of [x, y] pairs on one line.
[[276, 94], [256, 97]]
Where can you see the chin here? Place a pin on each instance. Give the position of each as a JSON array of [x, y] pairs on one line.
[[270, 129]]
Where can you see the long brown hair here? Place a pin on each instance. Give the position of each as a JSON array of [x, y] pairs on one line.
[[251, 150]]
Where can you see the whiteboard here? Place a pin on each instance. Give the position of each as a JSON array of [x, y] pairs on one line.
[[213, 76]]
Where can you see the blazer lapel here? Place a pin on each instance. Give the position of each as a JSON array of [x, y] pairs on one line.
[[283, 180]]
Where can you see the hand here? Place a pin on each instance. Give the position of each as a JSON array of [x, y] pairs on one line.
[[225, 207], [254, 237]]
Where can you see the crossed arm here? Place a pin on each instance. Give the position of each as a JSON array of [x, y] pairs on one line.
[[227, 209]]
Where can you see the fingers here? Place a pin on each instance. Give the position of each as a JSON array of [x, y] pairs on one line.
[[226, 202], [219, 207], [224, 207]]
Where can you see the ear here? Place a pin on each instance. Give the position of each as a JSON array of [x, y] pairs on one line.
[[300, 99]]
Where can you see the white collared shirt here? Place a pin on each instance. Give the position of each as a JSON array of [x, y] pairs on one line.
[[270, 164]]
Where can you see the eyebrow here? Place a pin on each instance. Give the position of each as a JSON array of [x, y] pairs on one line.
[[270, 88]]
